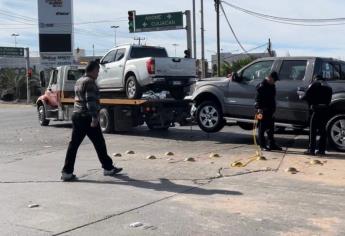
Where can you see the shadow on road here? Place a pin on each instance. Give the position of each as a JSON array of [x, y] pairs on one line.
[[164, 185]]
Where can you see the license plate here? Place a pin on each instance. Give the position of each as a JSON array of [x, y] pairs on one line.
[[177, 82]]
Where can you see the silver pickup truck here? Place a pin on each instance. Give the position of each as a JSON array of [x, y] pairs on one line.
[[136, 69]]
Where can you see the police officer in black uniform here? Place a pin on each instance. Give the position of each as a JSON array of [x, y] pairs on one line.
[[266, 106], [318, 96]]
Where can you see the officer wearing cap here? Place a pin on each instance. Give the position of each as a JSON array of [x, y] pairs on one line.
[[266, 107], [318, 96]]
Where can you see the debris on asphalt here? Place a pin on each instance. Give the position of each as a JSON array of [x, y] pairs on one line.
[[33, 205], [191, 159], [117, 155], [261, 158], [151, 157], [237, 164], [320, 173], [130, 152], [169, 154], [47, 146], [291, 170], [136, 224], [214, 155], [315, 162]]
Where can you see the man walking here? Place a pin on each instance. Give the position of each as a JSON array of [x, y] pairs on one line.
[[318, 96], [85, 123], [266, 106]]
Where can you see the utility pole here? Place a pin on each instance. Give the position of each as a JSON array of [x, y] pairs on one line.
[[269, 48], [15, 35], [139, 39], [194, 30], [114, 27], [202, 40], [217, 2], [27, 58]]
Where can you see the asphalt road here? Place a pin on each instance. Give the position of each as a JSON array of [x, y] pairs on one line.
[[167, 195]]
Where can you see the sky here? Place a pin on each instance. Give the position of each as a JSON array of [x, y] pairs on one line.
[[251, 31]]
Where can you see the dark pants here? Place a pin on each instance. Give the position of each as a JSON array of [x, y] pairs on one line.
[[81, 128], [318, 122], [266, 125]]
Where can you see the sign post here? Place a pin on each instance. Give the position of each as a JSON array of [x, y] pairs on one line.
[[189, 32]]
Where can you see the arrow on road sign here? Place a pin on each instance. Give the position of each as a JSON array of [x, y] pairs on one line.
[[144, 24]]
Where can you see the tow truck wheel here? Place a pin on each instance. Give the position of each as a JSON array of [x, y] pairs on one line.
[[105, 121], [133, 90], [42, 115], [210, 117], [336, 132]]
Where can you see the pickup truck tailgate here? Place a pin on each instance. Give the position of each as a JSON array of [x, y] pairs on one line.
[[175, 67]]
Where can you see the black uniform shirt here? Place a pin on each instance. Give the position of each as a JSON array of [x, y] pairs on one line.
[[318, 94], [266, 96]]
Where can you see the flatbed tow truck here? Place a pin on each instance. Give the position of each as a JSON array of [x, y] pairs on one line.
[[116, 114]]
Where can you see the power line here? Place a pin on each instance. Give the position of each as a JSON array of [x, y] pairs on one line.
[[290, 21], [232, 30]]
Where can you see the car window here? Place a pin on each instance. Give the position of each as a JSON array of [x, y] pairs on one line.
[[331, 71], [54, 79], [141, 52], [293, 70], [74, 75], [259, 70], [110, 57], [120, 54]]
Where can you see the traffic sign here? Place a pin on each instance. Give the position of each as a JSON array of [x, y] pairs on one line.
[[159, 22], [11, 51]]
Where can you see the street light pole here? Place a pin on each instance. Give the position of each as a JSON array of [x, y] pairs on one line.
[[217, 3], [114, 27], [15, 35], [175, 45]]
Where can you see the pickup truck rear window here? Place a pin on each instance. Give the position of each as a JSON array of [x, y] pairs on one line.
[[147, 52]]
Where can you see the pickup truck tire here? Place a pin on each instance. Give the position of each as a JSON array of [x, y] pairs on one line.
[[336, 132], [42, 118], [105, 121], [133, 90], [177, 93], [209, 116]]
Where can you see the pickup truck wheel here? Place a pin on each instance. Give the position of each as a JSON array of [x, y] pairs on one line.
[[336, 132], [177, 93], [105, 121], [42, 115], [133, 90], [210, 117]]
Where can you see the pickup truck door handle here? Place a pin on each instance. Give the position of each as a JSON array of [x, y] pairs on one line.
[[176, 59]]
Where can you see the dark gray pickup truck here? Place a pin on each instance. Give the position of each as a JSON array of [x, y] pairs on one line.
[[220, 99]]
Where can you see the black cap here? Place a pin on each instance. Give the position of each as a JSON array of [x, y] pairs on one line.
[[274, 76]]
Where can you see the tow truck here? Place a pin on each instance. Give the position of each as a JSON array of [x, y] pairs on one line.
[[116, 114]]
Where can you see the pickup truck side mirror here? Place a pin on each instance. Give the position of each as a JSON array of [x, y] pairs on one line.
[[236, 77]]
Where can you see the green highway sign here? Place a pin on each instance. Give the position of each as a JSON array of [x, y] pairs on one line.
[[11, 51], [159, 22]]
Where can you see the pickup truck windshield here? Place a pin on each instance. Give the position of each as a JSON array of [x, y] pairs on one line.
[[142, 52]]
